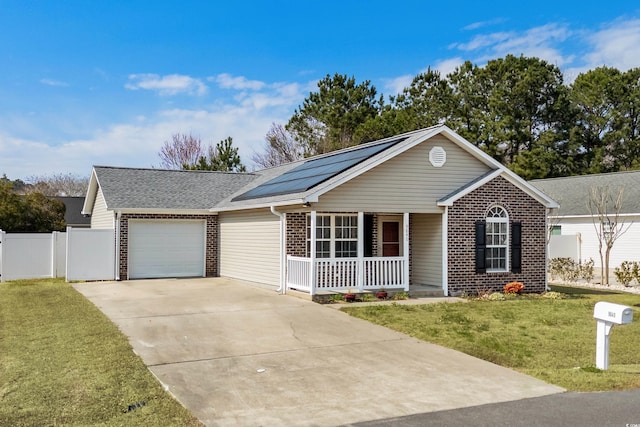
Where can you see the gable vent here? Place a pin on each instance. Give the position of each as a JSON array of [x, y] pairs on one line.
[[437, 157]]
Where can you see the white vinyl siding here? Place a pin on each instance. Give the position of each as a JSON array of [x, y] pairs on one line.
[[624, 249], [166, 248], [426, 249], [421, 184], [100, 216], [250, 246]]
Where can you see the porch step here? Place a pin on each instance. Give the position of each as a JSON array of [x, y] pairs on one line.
[[425, 291], [415, 291]]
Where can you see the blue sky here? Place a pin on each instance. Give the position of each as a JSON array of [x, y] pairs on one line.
[[87, 83]]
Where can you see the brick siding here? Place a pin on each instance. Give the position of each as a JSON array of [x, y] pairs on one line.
[[211, 249], [461, 235], [296, 234]]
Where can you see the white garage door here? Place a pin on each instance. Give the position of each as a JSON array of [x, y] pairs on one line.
[[250, 246], [166, 249]]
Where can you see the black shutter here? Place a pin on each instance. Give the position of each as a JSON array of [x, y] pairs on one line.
[[516, 247], [368, 235], [481, 247]]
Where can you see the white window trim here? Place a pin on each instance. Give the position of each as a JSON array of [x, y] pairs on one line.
[[505, 220], [332, 239]]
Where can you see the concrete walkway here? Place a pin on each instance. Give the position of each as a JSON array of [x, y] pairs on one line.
[[236, 354]]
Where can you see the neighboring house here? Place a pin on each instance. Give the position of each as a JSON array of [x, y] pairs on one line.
[[73, 214], [422, 208], [574, 222]]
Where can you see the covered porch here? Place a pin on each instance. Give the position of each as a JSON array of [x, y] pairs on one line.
[[339, 258]]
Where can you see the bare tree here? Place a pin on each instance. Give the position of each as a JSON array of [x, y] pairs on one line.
[[183, 151], [605, 207], [553, 219], [281, 147], [57, 185]]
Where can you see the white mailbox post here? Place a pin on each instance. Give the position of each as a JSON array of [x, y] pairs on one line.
[[608, 314]]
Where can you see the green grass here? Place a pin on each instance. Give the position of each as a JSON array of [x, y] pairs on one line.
[[553, 340], [62, 362]]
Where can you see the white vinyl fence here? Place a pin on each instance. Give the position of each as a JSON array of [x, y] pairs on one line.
[[565, 246], [90, 254], [78, 254], [31, 255]]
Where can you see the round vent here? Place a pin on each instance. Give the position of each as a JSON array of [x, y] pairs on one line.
[[437, 156]]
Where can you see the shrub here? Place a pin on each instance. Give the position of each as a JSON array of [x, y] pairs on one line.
[[553, 295], [401, 295], [368, 297], [570, 271], [496, 296], [627, 272], [586, 270], [484, 293], [336, 298], [513, 287]]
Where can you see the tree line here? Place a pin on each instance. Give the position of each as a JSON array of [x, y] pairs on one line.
[[516, 109], [29, 206]]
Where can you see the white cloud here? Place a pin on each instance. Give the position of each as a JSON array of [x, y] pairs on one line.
[[447, 66], [481, 24], [227, 81], [172, 84], [542, 42], [50, 82], [136, 142], [617, 45], [396, 85], [482, 41]]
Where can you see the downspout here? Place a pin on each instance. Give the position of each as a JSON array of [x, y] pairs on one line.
[[282, 289], [117, 254]]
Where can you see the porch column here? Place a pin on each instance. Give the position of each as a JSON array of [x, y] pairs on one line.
[[445, 251], [312, 255], [405, 224], [360, 265]]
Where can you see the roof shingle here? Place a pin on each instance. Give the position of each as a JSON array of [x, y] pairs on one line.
[[132, 188], [572, 192]]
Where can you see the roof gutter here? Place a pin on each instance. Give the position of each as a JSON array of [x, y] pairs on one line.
[[291, 202], [283, 249]]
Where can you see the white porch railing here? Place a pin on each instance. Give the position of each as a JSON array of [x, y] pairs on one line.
[[341, 274], [299, 273]]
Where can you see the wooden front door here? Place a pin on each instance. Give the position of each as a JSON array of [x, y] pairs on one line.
[[390, 238]]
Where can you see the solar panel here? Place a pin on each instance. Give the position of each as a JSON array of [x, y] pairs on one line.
[[314, 172]]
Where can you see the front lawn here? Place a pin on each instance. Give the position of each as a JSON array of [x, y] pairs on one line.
[[62, 362], [553, 340]]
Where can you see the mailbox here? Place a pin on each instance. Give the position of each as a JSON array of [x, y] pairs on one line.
[[613, 313], [608, 314]]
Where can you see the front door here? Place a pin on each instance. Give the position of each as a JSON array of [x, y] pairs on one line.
[[390, 238]]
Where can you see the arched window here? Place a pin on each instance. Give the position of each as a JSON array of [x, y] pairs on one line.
[[497, 239], [498, 243]]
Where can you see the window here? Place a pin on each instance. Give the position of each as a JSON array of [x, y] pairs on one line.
[[556, 230], [346, 236], [336, 236], [494, 244], [497, 239]]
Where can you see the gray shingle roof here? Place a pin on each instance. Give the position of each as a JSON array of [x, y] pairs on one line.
[[467, 185], [73, 214], [573, 192], [132, 188]]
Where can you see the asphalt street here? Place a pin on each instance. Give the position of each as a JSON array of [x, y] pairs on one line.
[[604, 409]]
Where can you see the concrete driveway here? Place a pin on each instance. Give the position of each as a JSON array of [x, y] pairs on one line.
[[237, 354]]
